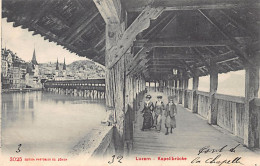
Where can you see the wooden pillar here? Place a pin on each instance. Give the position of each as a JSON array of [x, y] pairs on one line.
[[185, 91], [161, 85], [180, 90], [175, 88], [213, 112], [195, 86], [251, 128], [172, 88], [115, 84], [155, 85]]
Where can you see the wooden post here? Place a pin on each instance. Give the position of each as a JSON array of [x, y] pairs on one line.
[[149, 85], [118, 42], [195, 86], [155, 85], [165, 87], [185, 91], [212, 114], [161, 85], [180, 90], [172, 88], [251, 128], [175, 89]]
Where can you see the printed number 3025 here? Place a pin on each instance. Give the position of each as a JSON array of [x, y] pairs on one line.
[[113, 158], [15, 158]]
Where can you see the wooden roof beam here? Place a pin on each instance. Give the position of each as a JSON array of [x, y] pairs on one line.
[[222, 57], [74, 33], [139, 67], [101, 40], [162, 23], [154, 70], [202, 59], [234, 45], [110, 10], [162, 66], [193, 5], [183, 43], [162, 63], [141, 23], [170, 57], [187, 67], [245, 28], [136, 62]]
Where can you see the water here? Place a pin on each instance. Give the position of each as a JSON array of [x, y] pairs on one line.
[[47, 123]]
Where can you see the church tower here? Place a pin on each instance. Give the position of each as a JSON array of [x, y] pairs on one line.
[[34, 61], [35, 64], [64, 72], [57, 69]]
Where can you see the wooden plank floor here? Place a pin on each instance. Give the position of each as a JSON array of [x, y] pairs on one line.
[[192, 133]]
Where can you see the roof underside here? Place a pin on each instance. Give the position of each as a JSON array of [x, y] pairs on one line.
[[187, 36], [74, 24]]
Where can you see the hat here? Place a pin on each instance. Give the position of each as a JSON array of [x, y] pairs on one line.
[[148, 96], [159, 97], [171, 98]]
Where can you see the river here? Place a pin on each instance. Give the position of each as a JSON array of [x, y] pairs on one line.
[[44, 122]]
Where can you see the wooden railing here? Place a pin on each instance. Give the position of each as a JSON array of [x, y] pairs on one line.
[[203, 103], [230, 108], [89, 84], [257, 102], [231, 113], [189, 99], [130, 119]]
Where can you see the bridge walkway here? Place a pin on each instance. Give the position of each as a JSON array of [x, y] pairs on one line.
[[192, 133]]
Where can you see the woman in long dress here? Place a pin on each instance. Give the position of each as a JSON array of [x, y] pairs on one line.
[[159, 107], [170, 113], [147, 113]]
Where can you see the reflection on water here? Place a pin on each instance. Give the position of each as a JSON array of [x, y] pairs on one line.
[[44, 122]]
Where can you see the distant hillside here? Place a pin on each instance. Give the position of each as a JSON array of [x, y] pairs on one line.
[[81, 69], [86, 69]]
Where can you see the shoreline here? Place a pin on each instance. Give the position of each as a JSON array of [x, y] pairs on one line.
[[21, 90]]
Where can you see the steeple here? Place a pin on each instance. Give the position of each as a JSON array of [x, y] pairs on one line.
[[34, 61], [64, 65], [57, 65]]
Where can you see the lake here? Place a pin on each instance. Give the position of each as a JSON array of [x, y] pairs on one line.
[[44, 122]]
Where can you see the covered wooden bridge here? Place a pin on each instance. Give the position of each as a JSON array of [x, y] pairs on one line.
[[165, 41]]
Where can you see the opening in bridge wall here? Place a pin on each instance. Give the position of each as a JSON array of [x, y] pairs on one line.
[[232, 83]]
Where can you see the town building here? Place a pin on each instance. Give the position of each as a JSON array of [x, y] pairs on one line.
[[32, 76], [13, 70], [60, 74]]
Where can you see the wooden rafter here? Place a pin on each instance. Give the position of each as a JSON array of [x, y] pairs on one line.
[[183, 43], [192, 5], [74, 33], [234, 44], [110, 10], [241, 26], [160, 25], [139, 61], [141, 23], [202, 59]]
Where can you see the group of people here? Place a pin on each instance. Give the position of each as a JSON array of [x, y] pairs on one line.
[[152, 114]]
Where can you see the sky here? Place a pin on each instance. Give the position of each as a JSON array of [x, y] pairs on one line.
[[22, 42], [232, 83]]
